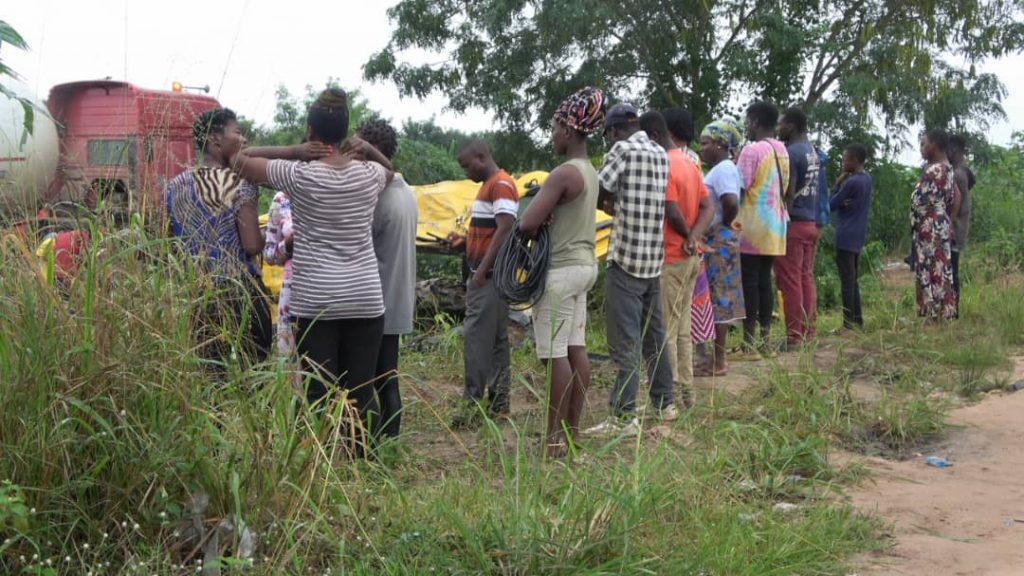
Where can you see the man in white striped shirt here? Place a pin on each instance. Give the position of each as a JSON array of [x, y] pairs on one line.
[[485, 330]]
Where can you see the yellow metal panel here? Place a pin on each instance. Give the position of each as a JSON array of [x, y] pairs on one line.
[[446, 207]]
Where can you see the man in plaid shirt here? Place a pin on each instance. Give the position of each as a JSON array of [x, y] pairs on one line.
[[633, 181]]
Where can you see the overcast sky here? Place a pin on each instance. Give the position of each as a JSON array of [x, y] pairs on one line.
[[245, 49]]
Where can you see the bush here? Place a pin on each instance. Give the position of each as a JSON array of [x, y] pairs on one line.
[[425, 163], [889, 221]]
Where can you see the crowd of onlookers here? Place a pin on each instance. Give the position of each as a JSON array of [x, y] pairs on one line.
[[696, 240]]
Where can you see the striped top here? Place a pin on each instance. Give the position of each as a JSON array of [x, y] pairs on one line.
[[498, 195], [334, 266]]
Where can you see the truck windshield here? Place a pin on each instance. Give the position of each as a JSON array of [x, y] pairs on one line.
[[109, 152]]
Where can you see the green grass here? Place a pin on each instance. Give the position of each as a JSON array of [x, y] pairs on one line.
[[111, 424]]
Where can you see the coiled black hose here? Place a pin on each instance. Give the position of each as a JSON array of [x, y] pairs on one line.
[[521, 268]]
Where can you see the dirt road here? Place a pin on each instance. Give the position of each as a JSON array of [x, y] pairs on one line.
[[967, 520]]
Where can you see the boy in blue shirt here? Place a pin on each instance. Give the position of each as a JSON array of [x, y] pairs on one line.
[[851, 204]]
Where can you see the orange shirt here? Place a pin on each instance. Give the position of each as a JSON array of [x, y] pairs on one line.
[[685, 188], [497, 196]]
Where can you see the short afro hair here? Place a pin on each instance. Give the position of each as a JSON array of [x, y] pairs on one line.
[[765, 113], [858, 151], [210, 122], [381, 135], [797, 118], [654, 121], [939, 137], [328, 116], [680, 123], [958, 141]]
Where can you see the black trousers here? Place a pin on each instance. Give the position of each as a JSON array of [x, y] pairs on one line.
[[849, 272], [238, 313], [955, 261], [756, 272], [343, 353], [386, 386]]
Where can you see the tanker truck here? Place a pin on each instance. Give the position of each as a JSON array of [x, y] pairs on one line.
[[104, 143], [28, 162]]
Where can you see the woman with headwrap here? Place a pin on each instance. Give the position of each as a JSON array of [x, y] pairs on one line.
[[718, 143], [336, 291], [567, 202]]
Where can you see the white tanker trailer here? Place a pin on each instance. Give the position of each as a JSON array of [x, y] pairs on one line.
[[28, 163]]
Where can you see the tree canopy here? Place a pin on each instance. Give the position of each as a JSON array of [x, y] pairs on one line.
[[426, 152], [8, 35], [856, 65]]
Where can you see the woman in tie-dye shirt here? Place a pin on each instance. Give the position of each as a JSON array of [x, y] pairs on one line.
[[764, 164]]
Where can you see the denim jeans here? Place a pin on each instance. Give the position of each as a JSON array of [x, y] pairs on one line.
[[635, 335]]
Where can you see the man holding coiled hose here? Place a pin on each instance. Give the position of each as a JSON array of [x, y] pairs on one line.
[[566, 201], [485, 329]]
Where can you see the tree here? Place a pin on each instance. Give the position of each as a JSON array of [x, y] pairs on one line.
[[428, 131], [513, 150], [289, 125], [422, 162], [859, 61], [11, 36]]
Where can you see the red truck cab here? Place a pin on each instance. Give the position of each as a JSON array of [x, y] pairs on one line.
[[120, 143]]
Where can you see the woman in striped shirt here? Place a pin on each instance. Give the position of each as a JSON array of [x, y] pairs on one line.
[[336, 291]]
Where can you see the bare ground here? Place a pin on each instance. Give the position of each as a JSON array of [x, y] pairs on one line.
[[965, 520]]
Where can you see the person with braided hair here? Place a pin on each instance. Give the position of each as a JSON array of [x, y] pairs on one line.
[[336, 290], [214, 214], [567, 201]]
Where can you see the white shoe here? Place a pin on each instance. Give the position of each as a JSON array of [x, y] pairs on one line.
[[631, 428], [613, 426], [669, 413], [609, 426]]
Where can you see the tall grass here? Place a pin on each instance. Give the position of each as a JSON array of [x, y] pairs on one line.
[[112, 428]]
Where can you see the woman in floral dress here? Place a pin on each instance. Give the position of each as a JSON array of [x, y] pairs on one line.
[[933, 207], [278, 251]]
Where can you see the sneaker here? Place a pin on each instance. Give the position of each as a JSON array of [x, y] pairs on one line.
[[609, 426], [615, 426], [744, 353], [669, 413], [630, 427]]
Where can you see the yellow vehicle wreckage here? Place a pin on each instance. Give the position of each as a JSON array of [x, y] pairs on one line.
[[446, 207]]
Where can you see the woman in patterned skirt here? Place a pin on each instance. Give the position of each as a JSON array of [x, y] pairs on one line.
[[718, 142]]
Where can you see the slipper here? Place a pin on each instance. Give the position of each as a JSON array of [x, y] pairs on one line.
[[742, 354], [711, 373], [556, 450]]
